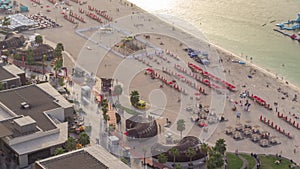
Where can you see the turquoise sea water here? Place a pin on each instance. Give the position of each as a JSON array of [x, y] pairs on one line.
[[236, 25]]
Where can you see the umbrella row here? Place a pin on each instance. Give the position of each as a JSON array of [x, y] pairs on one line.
[[290, 121], [198, 78], [184, 79], [77, 16], [93, 16], [67, 3], [260, 101], [172, 54], [275, 126], [161, 56], [142, 60], [79, 2], [164, 80], [211, 76], [101, 13], [81, 10], [154, 60], [36, 1], [52, 1], [70, 19]]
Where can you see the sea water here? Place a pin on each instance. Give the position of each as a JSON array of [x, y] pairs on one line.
[[244, 27]]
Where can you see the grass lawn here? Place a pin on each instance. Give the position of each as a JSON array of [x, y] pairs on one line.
[[268, 162], [251, 161], [234, 162]]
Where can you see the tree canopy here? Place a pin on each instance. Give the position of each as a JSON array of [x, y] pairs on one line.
[[70, 144], [118, 90], [134, 97], [162, 158], [84, 139], [30, 56], [180, 126], [220, 146], [39, 39], [215, 160], [190, 153], [174, 152], [59, 151]]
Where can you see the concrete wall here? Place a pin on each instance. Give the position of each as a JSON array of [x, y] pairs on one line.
[[57, 113], [22, 78], [13, 82], [23, 160], [31, 136], [69, 112]]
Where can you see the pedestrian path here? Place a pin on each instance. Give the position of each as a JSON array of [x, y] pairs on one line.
[[245, 163]]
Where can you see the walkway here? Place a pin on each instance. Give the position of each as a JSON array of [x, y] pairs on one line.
[[245, 162]]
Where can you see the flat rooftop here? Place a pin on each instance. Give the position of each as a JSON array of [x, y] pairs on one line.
[[93, 157], [4, 74], [38, 100], [78, 160], [4, 131]]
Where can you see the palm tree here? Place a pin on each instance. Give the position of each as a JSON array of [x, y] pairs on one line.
[[30, 56], [220, 146], [215, 160], [204, 148], [39, 39], [190, 153], [60, 46], [58, 50], [59, 150], [84, 139], [134, 97], [70, 144], [118, 90], [174, 152], [162, 158], [104, 103], [5, 22], [181, 126], [58, 64], [178, 166]]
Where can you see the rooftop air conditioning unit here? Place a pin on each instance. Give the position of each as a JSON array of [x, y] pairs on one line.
[[24, 105]]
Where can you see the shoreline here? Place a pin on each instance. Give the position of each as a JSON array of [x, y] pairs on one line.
[[218, 47]]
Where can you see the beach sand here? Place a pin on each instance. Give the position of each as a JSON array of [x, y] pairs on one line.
[[239, 76]]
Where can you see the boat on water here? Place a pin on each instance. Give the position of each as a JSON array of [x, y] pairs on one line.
[[290, 25]]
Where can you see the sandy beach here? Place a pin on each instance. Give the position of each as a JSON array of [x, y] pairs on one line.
[[246, 77]]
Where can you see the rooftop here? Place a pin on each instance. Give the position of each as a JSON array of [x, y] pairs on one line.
[[79, 160], [4, 74], [27, 120], [4, 131], [18, 20], [13, 69], [38, 100], [95, 157]]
